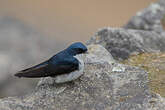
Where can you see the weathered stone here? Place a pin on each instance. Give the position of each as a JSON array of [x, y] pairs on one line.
[[157, 102], [149, 19], [101, 87], [97, 52], [154, 64], [123, 42], [105, 84]]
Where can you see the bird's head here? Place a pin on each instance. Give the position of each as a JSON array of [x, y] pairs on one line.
[[77, 48]]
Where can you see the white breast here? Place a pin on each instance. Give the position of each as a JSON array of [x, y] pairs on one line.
[[73, 75]]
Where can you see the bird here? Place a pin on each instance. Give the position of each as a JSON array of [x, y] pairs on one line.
[[67, 65]]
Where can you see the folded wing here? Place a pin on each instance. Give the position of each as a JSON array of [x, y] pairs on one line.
[[52, 67], [63, 66], [34, 72]]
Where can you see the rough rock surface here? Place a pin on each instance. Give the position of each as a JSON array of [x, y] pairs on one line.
[[154, 64], [121, 43], [105, 85], [150, 19]]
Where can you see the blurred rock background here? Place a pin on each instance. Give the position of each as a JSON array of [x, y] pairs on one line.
[[32, 31]]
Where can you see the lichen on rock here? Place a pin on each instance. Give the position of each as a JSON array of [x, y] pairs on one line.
[[106, 84], [154, 64]]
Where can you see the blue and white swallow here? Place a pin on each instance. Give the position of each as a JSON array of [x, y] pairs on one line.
[[65, 66]]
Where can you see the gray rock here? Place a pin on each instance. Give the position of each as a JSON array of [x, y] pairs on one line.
[[98, 52], [123, 42], [105, 85], [149, 18]]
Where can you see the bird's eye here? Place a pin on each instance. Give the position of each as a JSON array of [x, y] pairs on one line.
[[80, 50]]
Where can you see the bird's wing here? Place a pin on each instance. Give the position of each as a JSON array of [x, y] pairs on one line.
[[35, 71], [63, 66], [51, 67]]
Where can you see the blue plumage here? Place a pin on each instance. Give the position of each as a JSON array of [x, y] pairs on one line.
[[62, 63]]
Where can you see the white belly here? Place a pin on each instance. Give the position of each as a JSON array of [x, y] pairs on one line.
[[73, 75]]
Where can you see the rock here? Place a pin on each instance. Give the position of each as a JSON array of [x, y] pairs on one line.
[[122, 43], [154, 64], [157, 102], [105, 84], [99, 88], [150, 19], [148, 34], [95, 53]]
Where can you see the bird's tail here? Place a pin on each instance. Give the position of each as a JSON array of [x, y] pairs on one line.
[[34, 72]]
